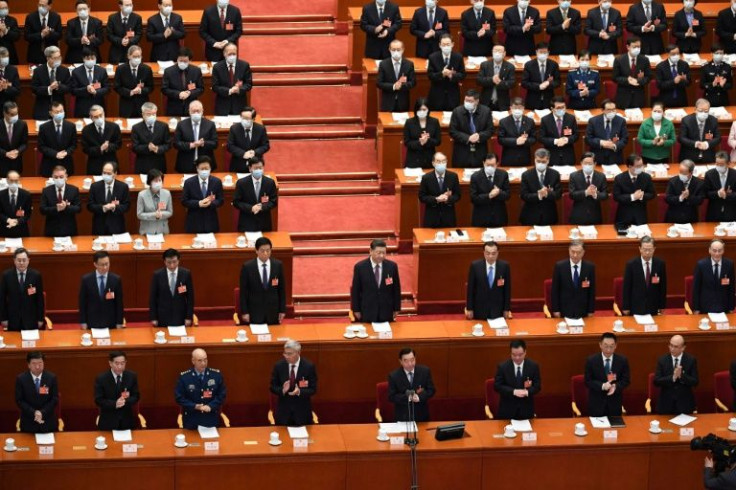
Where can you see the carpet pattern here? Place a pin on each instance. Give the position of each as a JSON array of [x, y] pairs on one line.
[[321, 156], [336, 213]]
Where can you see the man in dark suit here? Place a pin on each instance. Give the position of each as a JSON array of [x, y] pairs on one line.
[[37, 395], [410, 384], [558, 133], [439, 191], [563, 24], [9, 32], [164, 31], [246, 141], [42, 29], [606, 377], [583, 84], [116, 393], [171, 300], [89, 85], [573, 285], [57, 140], [446, 70], [716, 78], [16, 206], [375, 295], [182, 84], [124, 29], [517, 136], [49, 83], [632, 190], [195, 138], [489, 191], [685, 194], [647, 20], [489, 286], [673, 78], [22, 305], [395, 79], [631, 73], [603, 28], [133, 82], [100, 141], [109, 200], [101, 296], [725, 28], [540, 189], [9, 78], [688, 28], [202, 195], [60, 203], [428, 24], [699, 135], [498, 78], [150, 140], [471, 126], [713, 282], [517, 382], [221, 25], [720, 189], [676, 376], [380, 20], [587, 188], [294, 382], [232, 80], [521, 22], [13, 140], [83, 31], [540, 78], [262, 287], [607, 136], [645, 282], [478, 26], [256, 197]]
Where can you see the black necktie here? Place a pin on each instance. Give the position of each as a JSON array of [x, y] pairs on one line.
[[125, 23], [247, 137], [58, 132], [109, 194], [118, 384], [518, 375], [716, 273], [12, 200]]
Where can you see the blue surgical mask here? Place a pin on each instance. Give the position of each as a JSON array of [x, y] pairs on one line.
[[156, 186], [59, 182], [565, 5], [196, 117], [13, 119], [99, 122], [135, 61], [203, 174], [59, 117], [440, 168], [167, 10], [150, 119], [127, 10], [5, 61], [257, 173], [683, 178], [83, 14], [489, 170], [89, 64], [107, 178], [13, 186], [588, 169], [701, 116], [559, 112], [541, 167], [4, 12], [43, 10], [231, 58]]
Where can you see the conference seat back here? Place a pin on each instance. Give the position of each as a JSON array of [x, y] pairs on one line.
[[652, 394], [384, 408], [491, 398], [579, 395], [618, 295], [723, 390]]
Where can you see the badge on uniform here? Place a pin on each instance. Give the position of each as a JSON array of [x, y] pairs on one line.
[[725, 281], [709, 135], [655, 279], [437, 26], [303, 383], [586, 284], [182, 289], [130, 34], [615, 138], [264, 199], [566, 131], [206, 393], [611, 377], [656, 22], [191, 387], [612, 28], [161, 206], [389, 281], [210, 382], [229, 26], [43, 390], [96, 85], [191, 86], [486, 26], [110, 295], [696, 22], [19, 213], [527, 383], [125, 394], [275, 281], [500, 282], [31, 290]]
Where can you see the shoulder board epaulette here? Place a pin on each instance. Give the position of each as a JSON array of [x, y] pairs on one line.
[[214, 370], [185, 372]]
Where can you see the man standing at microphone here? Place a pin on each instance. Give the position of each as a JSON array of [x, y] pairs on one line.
[[411, 382]]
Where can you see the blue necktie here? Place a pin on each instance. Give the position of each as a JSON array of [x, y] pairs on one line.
[[38, 385], [472, 123], [204, 188], [674, 74], [575, 276], [102, 286], [608, 366], [490, 277], [264, 277], [518, 375]]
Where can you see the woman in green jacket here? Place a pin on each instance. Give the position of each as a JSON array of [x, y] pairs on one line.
[[656, 136]]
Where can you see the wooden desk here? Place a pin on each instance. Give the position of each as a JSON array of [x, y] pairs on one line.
[[350, 10], [609, 252], [227, 214], [26, 98], [409, 211], [216, 271], [460, 365]]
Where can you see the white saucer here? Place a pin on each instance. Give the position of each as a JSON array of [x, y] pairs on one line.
[[10, 450], [87, 344], [349, 335], [732, 430], [241, 246], [440, 241], [653, 431], [575, 238], [581, 434], [159, 341], [100, 448], [619, 330], [383, 440], [181, 445], [704, 328], [244, 340], [362, 335], [198, 247], [2, 346], [510, 437], [142, 247], [59, 249], [531, 239], [720, 234], [96, 249], [481, 334], [276, 443], [563, 332]]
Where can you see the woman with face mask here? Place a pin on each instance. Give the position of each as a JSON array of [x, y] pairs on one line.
[[422, 136], [689, 27], [656, 136], [154, 205]]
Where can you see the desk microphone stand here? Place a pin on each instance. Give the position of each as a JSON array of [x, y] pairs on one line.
[[411, 440]]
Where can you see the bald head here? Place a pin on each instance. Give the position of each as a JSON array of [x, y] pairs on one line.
[[199, 360], [677, 345]]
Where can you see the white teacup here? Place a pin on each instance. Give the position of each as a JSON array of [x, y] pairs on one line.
[[57, 247], [531, 235], [79, 125], [240, 336], [720, 231], [478, 330], [631, 233], [654, 426], [138, 242], [440, 236], [87, 183], [2, 341], [487, 236], [703, 323], [508, 431], [160, 337], [129, 181], [180, 440], [580, 429], [228, 179], [618, 326], [172, 123], [575, 233], [241, 241], [382, 435], [198, 242], [3, 247], [274, 438], [100, 442], [10, 444], [349, 332], [86, 339], [562, 327], [672, 232], [732, 424]]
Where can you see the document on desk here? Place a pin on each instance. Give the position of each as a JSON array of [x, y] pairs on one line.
[[521, 425], [30, 335], [14, 242], [398, 427], [155, 238], [683, 419], [499, 322], [62, 240], [379, 327], [207, 432], [100, 333], [575, 322], [600, 422], [178, 331], [45, 439], [259, 329], [644, 319], [718, 317], [122, 435], [298, 432]]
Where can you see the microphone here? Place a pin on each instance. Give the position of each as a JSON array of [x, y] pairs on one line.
[[410, 394]]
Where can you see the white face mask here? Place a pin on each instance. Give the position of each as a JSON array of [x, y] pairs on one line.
[[99, 122], [150, 120], [4, 12], [56, 64], [247, 123], [541, 167], [43, 10], [565, 5], [478, 5], [156, 186], [689, 5], [13, 186], [489, 170], [559, 112], [638, 170], [127, 10], [89, 64], [107, 178], [222, 3], [517, 112], [523, 4], [59, 182], [605, 6], [13, 119], [684, 178], [588, 169], [610, 115], [657, 116], [469, 106], [446, 50], [203, 174], [167, 10], [635, 51], [722, 169], [430, 4], [584, 64], [422, 114], [701, 116], [231, 58], [498, 57], [717, 57], [135, 61], [59, 117], [647, 2], [396, 55], [381, 2], [196, 117], [675, 58], [83, 14], [183, 65], [440, 168], [542, 56], [5, 61]]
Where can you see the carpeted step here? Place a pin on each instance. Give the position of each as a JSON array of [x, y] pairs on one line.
[[300, 79], [348, 129], [345, 245], [287, 9], [318, 157], [309, 104], [336, 213], [329, 188], [295, 53], [281, 27]]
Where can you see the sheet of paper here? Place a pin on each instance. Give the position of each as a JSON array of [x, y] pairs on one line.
[[241, 176], [122, 238], [608, 58], [542, 112], [600, 422], [565, 170], [157, 238], [162, 65], [588, 230], [683, 419], [644, 319], [122, 435], [100, 333], [252, 236], [575, 322], [498, 115], [499, 322], [718, 317], [521, 59], [654, 58], [97, 178], [684, 227], [298, 432], [515, 173], [398, 427], [476, 60], [259, 328], [521, 425], [14, 242], [496, 233], [611, 170], [381, 327], [178, 331], [400, 117], [30, 335], [413, 172], [207, 432], [583, 115], [207, 237], [63, 240], [45, 439]]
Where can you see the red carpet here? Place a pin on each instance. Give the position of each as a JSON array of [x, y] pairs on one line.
[[308, 102], [337, 213], [332, 156], [311, 52], [285, 8], [333, 274]]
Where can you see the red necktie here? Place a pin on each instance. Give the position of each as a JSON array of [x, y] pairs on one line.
[[232, 75], [647, 274], [60, 197], [633, 67], [292, 378], [222, 18]]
